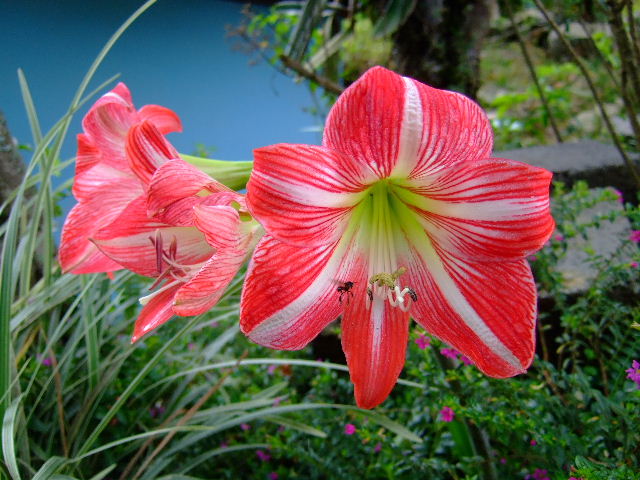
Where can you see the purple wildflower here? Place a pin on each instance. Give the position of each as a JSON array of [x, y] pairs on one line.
[[447, 414], [558, 237], [633, 373], [46, 361], [349, 429], [271, 369], [263, 456], [539, 474], [466, 360], [620, 199], [157, 410], [449, 353], [633, 264], [377, 448], [245, 426], [423, 342], [635, 236], [273, 476], [224, 445], [533, 443], [503, 461]]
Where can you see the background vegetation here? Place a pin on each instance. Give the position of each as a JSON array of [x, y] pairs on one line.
[[197, 400]]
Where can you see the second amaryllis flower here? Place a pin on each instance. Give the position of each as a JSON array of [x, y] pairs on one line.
[[188, 231], [402, 212]]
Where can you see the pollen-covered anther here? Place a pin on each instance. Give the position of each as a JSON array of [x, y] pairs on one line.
[[387, 286]]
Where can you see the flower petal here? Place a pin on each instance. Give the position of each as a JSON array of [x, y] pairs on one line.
[[77, 254], [156, 312], [221, 226], [88, 155], [485, 310], [290, 293], [374, 341], [491, 209], [165, 120], [400, 127], [107, 123], [164, 189], [302, 194], [147, 150], [132, 241]]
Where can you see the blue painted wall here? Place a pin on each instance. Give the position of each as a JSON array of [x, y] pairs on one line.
[[175, 55]]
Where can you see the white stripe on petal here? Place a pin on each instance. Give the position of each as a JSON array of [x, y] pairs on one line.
[[459, 303], [307, 194], [411, 132], [271, 329]]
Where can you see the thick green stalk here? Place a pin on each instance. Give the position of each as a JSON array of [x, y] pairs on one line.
[[234, 175]]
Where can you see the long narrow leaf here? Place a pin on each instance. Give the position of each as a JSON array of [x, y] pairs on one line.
[[8, 445]]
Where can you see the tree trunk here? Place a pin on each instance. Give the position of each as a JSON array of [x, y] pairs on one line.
[[440, 42], [12, 166]]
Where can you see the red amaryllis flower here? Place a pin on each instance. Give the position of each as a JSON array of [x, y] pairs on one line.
[[104, 182], [401, 212], [188, 231]]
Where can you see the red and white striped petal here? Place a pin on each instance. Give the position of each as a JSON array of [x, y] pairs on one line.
[[303, 194], [488, 210], [107, 123], [77, 254], [485, 310], [365, 123], [409, 130], [158, 310], [221, 227], [176, 180], [164, 119], [88, 155], [132, 241], [290, 293], [207, 286], [374, 341], [147, 150], [94, 181]]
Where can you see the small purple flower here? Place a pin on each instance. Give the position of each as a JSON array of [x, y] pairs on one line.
[[447, 414], [273, 476], [539, 474], [349, 429], [633, 373], [281, 428], [423, 342], [157, 410], [466, 360], [245, 426], [214, 324], [533, 443], [620, 199], [224, 445], [271, 369], [532, 258], [377, 448], [46, 361], [276, 401], [191, 346], [449, 353], [263, 456], [635, 236], [558, 237], [503, 461], [633, 264]]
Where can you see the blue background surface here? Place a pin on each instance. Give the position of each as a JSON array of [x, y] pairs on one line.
[[176, 55]]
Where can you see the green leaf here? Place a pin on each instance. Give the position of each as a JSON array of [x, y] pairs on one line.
[[49, 468], [8, 445]]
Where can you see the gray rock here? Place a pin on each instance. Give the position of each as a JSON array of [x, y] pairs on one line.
[[600, 165], [605, 240]]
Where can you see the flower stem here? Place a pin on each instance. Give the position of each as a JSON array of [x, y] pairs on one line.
[[234, 175]]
